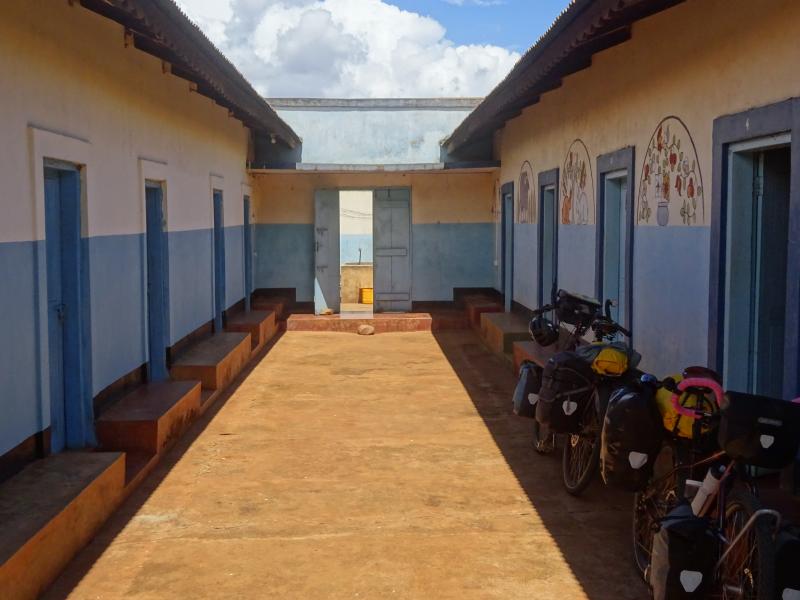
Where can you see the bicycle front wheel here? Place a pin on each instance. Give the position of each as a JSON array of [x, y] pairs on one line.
[[748, 572], [580, 462]]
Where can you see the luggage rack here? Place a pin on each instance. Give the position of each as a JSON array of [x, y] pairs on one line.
[[764, 512]]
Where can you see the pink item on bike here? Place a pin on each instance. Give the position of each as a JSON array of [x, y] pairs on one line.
[[696, 382]]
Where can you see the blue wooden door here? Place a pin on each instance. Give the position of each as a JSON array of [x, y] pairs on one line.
[[219, 261], [548, 246], [157, 303], [327, 292], [71, 415], [248, 254], [614, 228], [392, 250], [508, 249]]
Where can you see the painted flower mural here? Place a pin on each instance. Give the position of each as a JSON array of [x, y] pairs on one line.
[[526, 199], [671, 184], [577, 187]]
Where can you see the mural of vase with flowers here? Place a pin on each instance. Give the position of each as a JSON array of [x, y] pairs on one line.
[[670, 175]]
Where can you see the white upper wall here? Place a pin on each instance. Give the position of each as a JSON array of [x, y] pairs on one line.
[[373, 132], [67, 70]]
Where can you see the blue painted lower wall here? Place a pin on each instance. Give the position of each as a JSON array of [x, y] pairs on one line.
[[526, 265], [118, 306], [285, 258], [444, 256], [670, 297], [450, 255], [19, 377], [576, 259], [191, 295]]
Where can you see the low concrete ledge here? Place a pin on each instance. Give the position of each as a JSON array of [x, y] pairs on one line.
[[475, 306], [216, 361], [49, 511], [501, 330], [151, 417], [260, 324]]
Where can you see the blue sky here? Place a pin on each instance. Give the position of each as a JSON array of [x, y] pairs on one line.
[[513, 24]]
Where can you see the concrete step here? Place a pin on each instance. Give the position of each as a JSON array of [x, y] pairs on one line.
[[49, 511], [383, 322], [277, 304], [260, 324], [476, 305], [151, 417], [501, 330], [215, 361]]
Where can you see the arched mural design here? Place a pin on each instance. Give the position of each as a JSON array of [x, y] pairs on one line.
[[671, 184], [577, 187], [526, 195]]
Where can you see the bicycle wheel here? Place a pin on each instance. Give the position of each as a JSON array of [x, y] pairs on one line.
[[748, 572], [544, 440], [650, 506], [581, 457]]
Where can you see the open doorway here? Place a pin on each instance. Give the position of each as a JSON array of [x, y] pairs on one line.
[[356, 253], [757, 241]]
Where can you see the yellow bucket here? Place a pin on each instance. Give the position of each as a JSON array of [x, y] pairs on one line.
[[365, 295]]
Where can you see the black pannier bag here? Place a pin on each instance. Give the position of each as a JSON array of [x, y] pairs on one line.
[[575, 309], [685, 551], [526, 394], [567, 383], [631, 438], [760, 431], [787, 565]]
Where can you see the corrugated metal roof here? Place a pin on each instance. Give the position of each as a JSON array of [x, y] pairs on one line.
[[583, 28]]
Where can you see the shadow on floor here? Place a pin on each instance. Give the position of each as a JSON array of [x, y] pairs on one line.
[[86, 558], [598, 554]]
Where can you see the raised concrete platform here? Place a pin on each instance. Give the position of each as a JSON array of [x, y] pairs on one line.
[[475, 306], [214, 361], [49, 511], [501, 330], [260, 324], [151, 417], [383, 323], [530, 350]]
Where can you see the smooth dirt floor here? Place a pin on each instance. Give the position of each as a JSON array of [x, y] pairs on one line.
[[343, 466]]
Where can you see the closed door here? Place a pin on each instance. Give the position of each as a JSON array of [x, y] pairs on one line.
[[392, 250], [327, 294], [70, 412], [248, 254], [156, 282], [756, 335], [508, 249], [219, 261], [548, 248], [614, 284]]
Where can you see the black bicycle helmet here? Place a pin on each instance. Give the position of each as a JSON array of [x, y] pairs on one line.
[[543, 331]]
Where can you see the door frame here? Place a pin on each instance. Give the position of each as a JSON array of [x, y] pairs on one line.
[[218, 255], [160, 372], [612, 162], [76, 429], [763, 122], [507, 244], [547, 179], [247, 240]]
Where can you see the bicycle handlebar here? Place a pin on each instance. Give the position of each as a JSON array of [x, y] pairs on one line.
[[695, 382]]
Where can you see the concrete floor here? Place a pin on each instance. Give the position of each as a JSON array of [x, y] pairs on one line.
[[344, 466]]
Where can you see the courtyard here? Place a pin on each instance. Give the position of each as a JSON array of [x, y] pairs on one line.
[[362, 467]]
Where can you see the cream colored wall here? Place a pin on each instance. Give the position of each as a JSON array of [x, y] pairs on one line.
[[65, 69], [438, 197], [697, 61]]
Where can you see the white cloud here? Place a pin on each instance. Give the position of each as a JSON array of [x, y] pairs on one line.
[[346, 48]]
